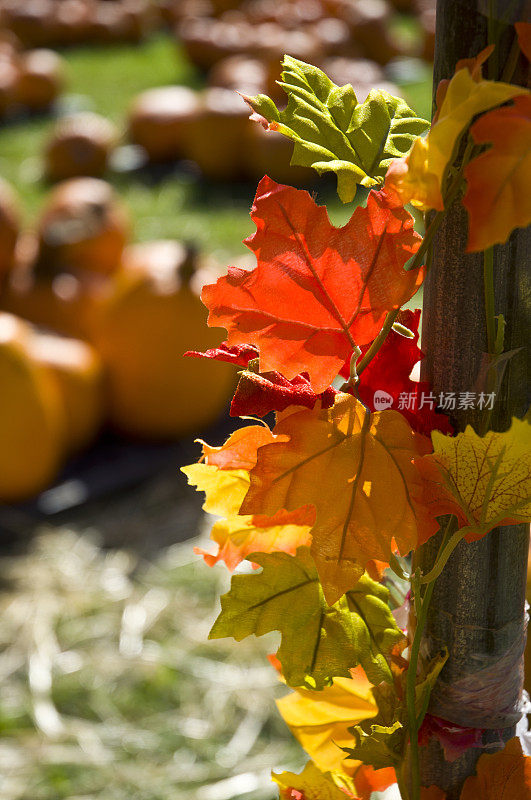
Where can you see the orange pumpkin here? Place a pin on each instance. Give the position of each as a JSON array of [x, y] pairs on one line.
[[40, 80], [269, 153], [160, 121], [31, 416], [9, 226], [78, 372], [142, 330], [83, 226], [216, 139], [80, 145]]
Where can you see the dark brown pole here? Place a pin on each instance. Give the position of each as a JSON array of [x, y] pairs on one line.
[[477, 610]]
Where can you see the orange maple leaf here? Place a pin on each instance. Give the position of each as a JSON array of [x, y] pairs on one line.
[[501, 776], [523, 30], [498, 198], [356, 469], [239, 536], [368, 780], [223, 474], [317, 290]]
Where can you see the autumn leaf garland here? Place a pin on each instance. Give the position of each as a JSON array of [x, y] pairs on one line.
[[335, 485]]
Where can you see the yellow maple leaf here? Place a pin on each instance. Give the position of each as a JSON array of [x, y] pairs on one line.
[[320, 720], [311, 784], [418, 177], [485, 481], [348, 463], [223, 475]]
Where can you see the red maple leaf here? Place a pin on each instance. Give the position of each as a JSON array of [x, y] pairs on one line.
[[261, 393], [389, 372], [239, 354], [317, 290]]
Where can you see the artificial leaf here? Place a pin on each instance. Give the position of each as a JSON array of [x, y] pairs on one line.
[[485, 481], [501, 776], [432, 793], [425, 685], [368, 780], [224, 489], [523, 30], [418, 177], [319, 642], [498, 198], [332, 132], [261, 393], [310, 784], [238, 536], [240, 449], [224, 473], [454, 739], [348, 463], [320, 721], [473, 65], [387, 376], [381, 748], [317, 290], [239, 354]]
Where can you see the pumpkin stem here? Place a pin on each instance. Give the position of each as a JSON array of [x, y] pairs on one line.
[[189, 265]]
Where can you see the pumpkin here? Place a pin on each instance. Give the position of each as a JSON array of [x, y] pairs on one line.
[[30, 20], [31, 416], [77, 369], [80, 145], [61, 301], [269, 153], [215, 141], [361, 73], [84, 226], [9, 226], [71, 21], [160, 121], [40, 79], [142, 330]]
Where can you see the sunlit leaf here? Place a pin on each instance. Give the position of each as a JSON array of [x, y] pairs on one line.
[[498, 198], [418, 177], [485, 481], [332, 132], [310, 784], [317, 290], [348, 463], [320, 720], [318, 641]]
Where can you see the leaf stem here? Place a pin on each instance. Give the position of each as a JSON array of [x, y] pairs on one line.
[[424, 604], [488, 281]]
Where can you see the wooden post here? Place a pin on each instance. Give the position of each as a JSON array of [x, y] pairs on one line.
[[477, 609]]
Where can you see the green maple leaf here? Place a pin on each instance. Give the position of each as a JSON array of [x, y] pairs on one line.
[[332, 132], [319, 642], [382, 747]]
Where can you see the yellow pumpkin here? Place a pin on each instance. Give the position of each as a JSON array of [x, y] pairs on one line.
[[77, 369], [31, 416], [142, 330]]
